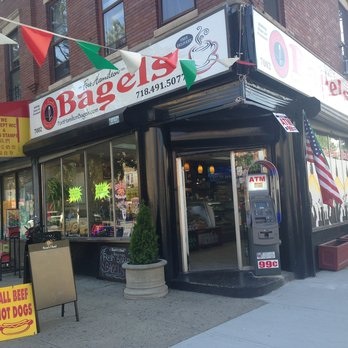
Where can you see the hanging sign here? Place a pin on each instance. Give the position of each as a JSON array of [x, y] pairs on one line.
[[17, 313], [286, 123]]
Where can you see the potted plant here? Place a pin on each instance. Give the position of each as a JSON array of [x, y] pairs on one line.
[[144, 271]]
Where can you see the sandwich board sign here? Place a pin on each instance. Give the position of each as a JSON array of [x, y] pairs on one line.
[[52, 275]]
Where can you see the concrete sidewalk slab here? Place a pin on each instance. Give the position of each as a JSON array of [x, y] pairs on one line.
[[307, 313], [107, 319]]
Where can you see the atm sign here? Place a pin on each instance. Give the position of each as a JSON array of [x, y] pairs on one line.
[[267, 264], [257, 182]]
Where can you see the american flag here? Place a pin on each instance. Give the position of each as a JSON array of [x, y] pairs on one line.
[[315, 155]]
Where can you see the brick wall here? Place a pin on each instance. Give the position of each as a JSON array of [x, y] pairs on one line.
[[315, 24], [303, 19]]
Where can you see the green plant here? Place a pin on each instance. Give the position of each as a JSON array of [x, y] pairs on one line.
[[143, 248]]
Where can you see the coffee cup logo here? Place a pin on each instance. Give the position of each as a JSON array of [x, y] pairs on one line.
[[205, 52]]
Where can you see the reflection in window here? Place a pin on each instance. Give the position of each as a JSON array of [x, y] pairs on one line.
[[99, 191], [126, 190], [174, 8], [26, 199], [114, 25], [75, 212], [8, 195], [336, 153], [53, 194], [61, 49]]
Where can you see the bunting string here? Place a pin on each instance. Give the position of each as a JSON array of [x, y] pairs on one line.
[[38, 41], [50, 32]]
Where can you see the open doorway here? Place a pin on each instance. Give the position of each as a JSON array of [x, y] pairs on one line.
[[212, 209]]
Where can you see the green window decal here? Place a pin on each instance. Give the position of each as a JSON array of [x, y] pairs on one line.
[[102, 190], [75, 194]]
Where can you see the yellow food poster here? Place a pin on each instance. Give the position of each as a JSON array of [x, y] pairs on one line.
[[17, 312]]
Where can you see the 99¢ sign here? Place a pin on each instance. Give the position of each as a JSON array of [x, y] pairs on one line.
[[267, 264]]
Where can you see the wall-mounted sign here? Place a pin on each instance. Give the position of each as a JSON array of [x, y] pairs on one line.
[[257, 182], [14, 128], [205, 42], [282, 58], [285, 122], [17, 312]]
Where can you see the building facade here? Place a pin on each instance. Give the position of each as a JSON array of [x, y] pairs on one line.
[[102, 140]]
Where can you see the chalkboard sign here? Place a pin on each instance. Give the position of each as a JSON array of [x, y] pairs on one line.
[[52, 274], [110, 262]]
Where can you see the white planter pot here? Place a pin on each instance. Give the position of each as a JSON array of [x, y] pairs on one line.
[[145, 281]]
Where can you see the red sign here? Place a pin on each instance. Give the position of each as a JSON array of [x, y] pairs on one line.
[[267, 264]]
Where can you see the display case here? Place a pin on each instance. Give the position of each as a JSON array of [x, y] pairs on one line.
[[201, 226]]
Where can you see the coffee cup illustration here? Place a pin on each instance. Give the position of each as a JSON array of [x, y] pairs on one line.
[[204, 55]]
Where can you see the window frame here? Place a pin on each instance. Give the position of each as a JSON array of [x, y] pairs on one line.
[[13, 68], [275, 9], [343, 19], [180, 14], [56, 42], [103, 12], [121, 156]]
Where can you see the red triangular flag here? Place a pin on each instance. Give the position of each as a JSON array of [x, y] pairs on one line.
[[37, 42], [172, 58]]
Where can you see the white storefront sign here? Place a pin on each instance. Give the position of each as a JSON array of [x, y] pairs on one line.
[[287, 61], [109, 90]]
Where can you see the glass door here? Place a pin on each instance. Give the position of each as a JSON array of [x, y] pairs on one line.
[[211, 198]]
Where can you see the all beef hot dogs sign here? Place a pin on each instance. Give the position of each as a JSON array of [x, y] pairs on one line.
[[106, 91], [17, 313]]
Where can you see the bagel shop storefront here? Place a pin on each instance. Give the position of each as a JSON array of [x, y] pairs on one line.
[[103, 143], [91, 141]]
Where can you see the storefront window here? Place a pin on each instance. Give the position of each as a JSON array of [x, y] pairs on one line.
[[336, 154], [8, 199], [53, 194], [99, 189], [26, 199], [93, 192], [75, 210], [125, 181]]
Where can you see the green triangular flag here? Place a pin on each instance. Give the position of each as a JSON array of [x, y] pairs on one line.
[[189, 70], [92, 53]]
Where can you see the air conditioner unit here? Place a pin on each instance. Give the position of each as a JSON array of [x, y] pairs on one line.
[[345, 66]]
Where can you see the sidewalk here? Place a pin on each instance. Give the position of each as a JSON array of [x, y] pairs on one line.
[[109, 320], [303, 313], [311, 313]]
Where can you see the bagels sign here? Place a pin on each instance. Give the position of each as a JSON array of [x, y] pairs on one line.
[[110, 90]]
